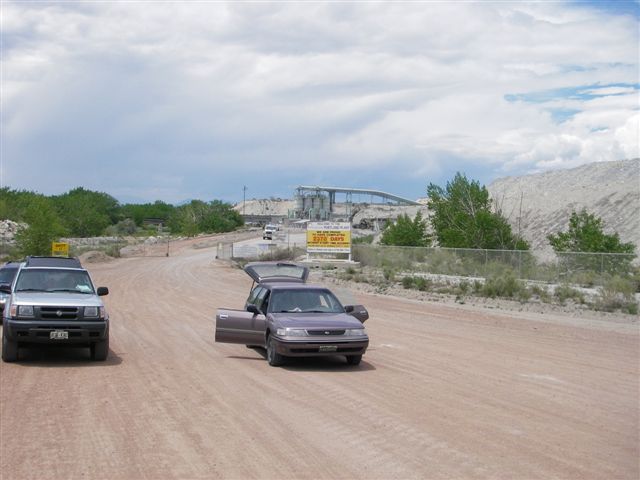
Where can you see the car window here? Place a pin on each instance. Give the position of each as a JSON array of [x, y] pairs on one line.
[[259, 298], [264, 304], [305, 300], [54, 280], [254, 295]]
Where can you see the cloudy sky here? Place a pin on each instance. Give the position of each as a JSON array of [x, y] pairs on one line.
[[194, 100]]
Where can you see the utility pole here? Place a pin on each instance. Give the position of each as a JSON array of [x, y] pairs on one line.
[[244, 198]]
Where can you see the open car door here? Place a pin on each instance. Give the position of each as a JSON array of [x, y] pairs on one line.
[[240, 326]]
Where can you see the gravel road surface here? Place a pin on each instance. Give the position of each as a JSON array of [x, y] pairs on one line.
[[443, 392]]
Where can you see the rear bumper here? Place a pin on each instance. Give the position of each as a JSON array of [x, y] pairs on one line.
[[36, 331], [306, 348]]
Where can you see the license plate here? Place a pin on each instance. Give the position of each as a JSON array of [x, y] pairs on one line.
[[328, 348], [59, 335]]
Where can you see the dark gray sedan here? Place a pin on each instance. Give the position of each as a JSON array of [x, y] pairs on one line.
[[291, 318]]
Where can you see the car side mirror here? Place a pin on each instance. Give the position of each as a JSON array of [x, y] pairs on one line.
[[102, 291], [5, 288], [253, 309], [357, 311]]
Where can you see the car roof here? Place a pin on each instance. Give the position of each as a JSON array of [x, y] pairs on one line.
[[11, 265], [64, 262]]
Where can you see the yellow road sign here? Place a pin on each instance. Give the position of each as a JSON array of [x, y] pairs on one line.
[[60, 249]]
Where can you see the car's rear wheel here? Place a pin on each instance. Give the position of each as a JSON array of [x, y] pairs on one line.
[[273, 357], [354, 359], [9, 348], [100, 350]]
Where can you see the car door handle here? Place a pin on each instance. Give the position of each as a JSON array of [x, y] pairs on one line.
[[224, 317]]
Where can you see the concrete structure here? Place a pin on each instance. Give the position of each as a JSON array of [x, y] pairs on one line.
[[318, 203]]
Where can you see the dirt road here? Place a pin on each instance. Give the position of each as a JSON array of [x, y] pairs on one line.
[[441, 393]]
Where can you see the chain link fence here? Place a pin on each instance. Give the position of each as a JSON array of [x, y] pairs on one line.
[[570, 267]]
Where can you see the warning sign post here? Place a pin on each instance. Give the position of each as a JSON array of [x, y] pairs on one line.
[[59, 249]]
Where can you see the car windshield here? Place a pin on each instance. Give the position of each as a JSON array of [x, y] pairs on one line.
[[7, 274], [305, 301], [54, 280]]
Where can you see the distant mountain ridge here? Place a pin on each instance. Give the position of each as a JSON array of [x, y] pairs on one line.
[[540, 204]]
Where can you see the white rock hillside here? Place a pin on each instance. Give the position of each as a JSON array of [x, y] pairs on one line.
[[541, 204]]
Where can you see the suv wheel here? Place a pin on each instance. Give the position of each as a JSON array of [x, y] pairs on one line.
[[273, 357], [9, 348], [100, 350]]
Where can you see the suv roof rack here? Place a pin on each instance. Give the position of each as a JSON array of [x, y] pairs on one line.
[[68, 262]]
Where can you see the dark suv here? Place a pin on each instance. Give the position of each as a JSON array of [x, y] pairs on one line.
[[53, 300], [7, 274]]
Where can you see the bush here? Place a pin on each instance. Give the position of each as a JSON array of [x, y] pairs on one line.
[[507, 286], [389, 274], [281, 254], [407, 282], [422, 284], [564, 292], [617, 294], [542, 293], [366, 240]]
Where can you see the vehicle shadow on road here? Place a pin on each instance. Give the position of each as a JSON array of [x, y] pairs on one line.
[[62, 356], [335, 363]]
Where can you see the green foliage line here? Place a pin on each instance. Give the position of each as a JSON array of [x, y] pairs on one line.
[[85, 213]]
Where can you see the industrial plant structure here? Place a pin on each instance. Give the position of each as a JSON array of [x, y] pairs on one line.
[[320, 203]]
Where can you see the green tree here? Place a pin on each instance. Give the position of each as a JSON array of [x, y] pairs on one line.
[[586, 234], [406, 232], [86, 213], [201, 217], [138, 212], [14, 203], [44, 227], [462, 217]]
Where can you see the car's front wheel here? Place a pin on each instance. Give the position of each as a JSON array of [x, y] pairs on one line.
[[273, 357], [100, 350], [354, 359], [9, 348]]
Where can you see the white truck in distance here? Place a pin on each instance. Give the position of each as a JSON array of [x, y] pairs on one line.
[[269, 231]]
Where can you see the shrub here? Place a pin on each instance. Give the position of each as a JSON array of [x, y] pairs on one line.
[[617, 294], [422, 284], [366, 240], [389, 274], [503, 286], [281, 254], [542, 293], [113, 251], [564, 292], [407, 282]]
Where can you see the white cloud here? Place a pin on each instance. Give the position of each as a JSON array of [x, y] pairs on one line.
[[206, 95]]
